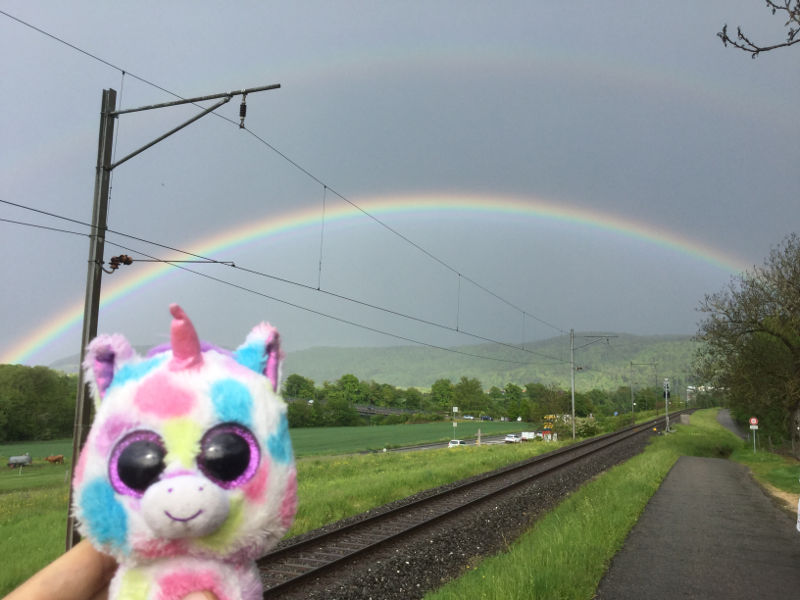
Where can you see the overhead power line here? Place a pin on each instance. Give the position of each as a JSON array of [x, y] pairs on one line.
[[37, 226], [203, 259], [299, 167], [318, 312]]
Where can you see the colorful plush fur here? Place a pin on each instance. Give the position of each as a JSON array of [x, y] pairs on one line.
[[187, 475]]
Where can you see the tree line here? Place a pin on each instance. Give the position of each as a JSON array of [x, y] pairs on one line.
[[333, 404], [751, 355], [36, 403]]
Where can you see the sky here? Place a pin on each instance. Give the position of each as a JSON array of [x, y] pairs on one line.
[[439, 173]]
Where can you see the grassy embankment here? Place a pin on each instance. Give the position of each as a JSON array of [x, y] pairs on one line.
[[33, 504], [32, 521], [581, 536], [33, 501]]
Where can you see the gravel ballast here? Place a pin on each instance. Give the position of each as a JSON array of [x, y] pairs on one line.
[[419, 562]]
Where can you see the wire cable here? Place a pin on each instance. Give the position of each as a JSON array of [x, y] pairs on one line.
[[320, 313], [37, 226], [204, 259], [302, 170]]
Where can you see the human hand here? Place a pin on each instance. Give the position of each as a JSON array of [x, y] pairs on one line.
[[82, 573]]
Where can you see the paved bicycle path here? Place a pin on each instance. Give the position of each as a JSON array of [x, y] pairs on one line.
[[711, 533]]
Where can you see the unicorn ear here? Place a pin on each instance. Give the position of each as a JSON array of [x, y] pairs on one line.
[[104, 355], [262, 353]]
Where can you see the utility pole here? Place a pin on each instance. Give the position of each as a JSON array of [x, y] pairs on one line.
[[666, 403], [594, 338], [102, 180], [572, 375], [93, 277], [633, 404]]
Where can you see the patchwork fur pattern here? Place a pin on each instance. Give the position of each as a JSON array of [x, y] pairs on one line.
[[187, 475]]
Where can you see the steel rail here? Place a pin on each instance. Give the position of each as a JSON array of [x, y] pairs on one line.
[[291, 565]]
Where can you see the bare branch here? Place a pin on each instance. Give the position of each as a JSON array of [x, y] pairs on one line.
[[791, 9]]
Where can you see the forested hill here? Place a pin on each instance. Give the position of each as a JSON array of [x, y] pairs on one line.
[[599, 365]]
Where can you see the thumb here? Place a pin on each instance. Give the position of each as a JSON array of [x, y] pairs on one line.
[[204, 595]]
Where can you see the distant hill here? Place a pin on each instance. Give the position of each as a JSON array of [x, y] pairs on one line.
[[599, 365]]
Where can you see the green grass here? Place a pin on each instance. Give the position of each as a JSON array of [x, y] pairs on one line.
[[33, 509], [326, 484], [34, 518], [581, 536], [33, 526], [779, 471], [40, 473], [37, 450], [35, 476], [343, 440]]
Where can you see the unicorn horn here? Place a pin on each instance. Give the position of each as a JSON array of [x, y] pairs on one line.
[[186, 351]]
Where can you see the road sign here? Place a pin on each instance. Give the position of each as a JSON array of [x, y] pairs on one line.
[[753, 421]]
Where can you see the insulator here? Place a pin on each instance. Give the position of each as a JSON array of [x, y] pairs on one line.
[[242, 111]]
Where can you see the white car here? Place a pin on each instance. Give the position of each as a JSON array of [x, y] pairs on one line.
[[512, 438], [456, 443]]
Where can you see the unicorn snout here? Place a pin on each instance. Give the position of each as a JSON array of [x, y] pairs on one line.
[[184, 506]]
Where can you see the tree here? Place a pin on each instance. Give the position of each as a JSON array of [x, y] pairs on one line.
[[350, 388], [339, 412], [583, 404], [36, 403], [791, 10], [413, 398], [297, 386], [442, 393], [513, 400], [302, 414], [468, 395], [752, 341]]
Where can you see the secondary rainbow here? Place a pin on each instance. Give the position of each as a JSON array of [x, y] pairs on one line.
[[413, 205]]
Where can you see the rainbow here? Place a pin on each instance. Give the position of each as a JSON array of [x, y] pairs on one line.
[[414, 205]]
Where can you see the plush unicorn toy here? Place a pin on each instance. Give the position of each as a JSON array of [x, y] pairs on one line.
[[187, 475]]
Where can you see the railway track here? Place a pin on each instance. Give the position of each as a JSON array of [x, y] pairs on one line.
[[295, 565]]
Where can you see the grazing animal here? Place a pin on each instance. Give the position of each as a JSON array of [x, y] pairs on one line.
[[56, 459], [187, 475]]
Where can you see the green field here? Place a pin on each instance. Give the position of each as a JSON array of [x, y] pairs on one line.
[[33, 509], [33, 500], [36, 449], [40, 473], [344, 440], [33, 503]]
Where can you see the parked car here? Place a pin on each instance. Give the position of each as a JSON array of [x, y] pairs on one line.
[[512, 438], [456, 443]]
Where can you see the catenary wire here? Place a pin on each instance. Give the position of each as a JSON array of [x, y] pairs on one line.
[[37, 226], [307, 287], [302, 169], [320, 313]]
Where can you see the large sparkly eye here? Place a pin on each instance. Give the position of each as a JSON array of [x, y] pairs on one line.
[[137, 462], [228, 455]]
